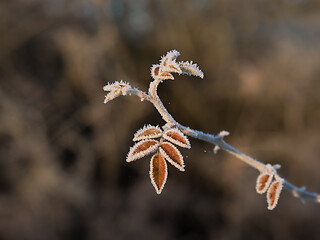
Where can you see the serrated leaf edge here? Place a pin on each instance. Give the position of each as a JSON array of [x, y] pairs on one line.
[[177, 142], [166, 156], [132, 157]]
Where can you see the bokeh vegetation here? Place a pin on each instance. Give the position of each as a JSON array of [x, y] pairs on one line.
[[63, 173]]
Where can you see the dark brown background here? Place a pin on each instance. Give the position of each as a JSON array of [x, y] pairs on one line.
[[63, 173]]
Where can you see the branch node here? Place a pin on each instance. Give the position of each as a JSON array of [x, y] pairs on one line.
[[223, 134], [216, 149]]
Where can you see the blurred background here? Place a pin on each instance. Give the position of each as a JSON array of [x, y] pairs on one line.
[[63, 173]]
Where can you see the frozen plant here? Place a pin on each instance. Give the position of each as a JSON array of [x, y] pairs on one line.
[[163, 142]]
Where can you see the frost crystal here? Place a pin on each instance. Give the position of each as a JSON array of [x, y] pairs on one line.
[[141, 149], [172, 155], [147, 132], [274, 193], [263, 182], [177, 137], [190, 69]]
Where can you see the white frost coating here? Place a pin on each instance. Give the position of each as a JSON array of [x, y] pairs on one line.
[[151, 176], [134, 156], [168, 62], [139, 135], [166, 76], [216, 149], [170, 160], [272, 205], [224, 133], [154, 74], [176, 141], [116, 89], [191, 69], [172, 55], [267, 183]]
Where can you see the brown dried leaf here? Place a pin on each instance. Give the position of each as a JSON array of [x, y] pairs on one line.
[[177, 137], [274, 193], [263, 182], [172, 155], [165, 76], [141, 149], [147, 132], [158, 172], [155, 70]]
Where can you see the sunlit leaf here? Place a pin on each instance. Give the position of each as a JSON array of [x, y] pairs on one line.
[[190, 69], [177, 137], [155, 71], [147, 132], [172, 155], [263, 182], [165, 76], [274, 193], [158, 172], [141, 149]]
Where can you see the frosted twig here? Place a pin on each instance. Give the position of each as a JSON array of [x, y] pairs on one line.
[[268, 178]]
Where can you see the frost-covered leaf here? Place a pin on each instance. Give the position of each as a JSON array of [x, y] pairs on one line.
[[274, 193], [172, 67], [169, 57], [166, 76], [141, 149], [172, 155], [168, 62], [190, 69], [158, 172], [177, 137], [172, 55], [147, 132], [155, 71], [116, 89], [263, 182]]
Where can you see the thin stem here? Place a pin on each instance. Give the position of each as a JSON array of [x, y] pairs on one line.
[[218, 141]]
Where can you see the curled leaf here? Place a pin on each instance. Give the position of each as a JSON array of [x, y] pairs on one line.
[[172, 55], [155, 71], [147, 132], [177, 137], [141, 149], [158, 172], [172, 155], [274, 193], [190, 69], [168, 62], [165, 76], [172, 67], [116, 89], [169, 57], [263, 182]]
